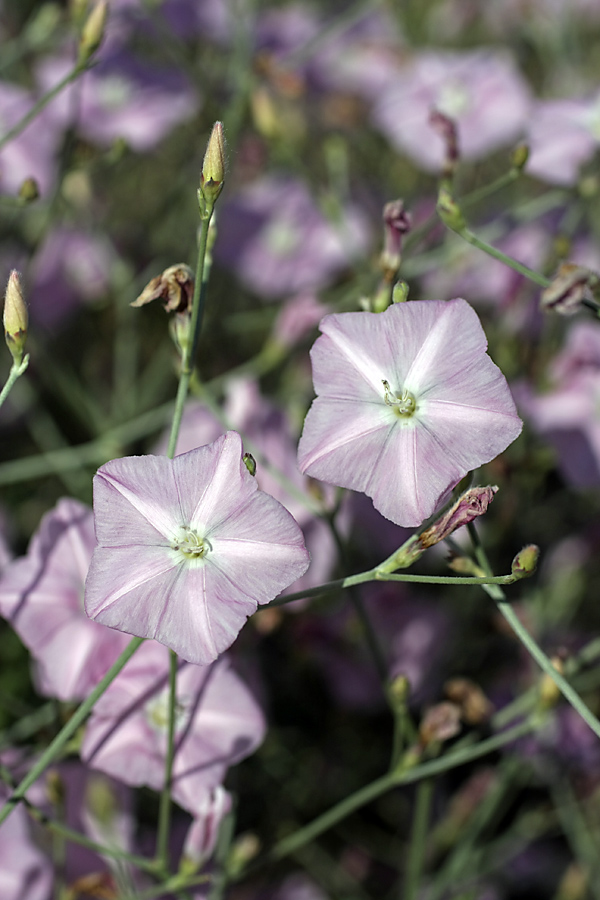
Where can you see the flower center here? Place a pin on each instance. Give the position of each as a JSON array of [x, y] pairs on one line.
[[404, 404], [157, 713], [189, 543]]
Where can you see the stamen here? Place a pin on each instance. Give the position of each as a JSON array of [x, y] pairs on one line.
[[190, 544], [403, 404]]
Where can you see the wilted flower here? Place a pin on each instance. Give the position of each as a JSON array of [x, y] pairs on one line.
[[188, 547], [407, 403]]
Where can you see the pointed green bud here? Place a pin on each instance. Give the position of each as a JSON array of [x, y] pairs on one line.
[[213, 167], [93, 31], [449, 211], [400, 292], [519, 157], [525, 562], [15, 317]]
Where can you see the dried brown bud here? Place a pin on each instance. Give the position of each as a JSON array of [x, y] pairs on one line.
[[469, 505], [474, 705], [175, 287], [440, 723], [571, 288]]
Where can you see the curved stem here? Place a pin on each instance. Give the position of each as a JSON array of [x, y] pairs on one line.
[[530, 644], [418, 837], [15, 372], [68, 730]]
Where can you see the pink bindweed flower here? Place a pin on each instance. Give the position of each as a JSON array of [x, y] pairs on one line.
[[407, 403], [41, 594], [203, 832], [188, 548], [218, 723]]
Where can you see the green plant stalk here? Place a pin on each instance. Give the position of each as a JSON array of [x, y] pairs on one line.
[[75, 837], [189, 354], [16, 130], [16, 370], [418, 837], [530, 644], [164, 812], [68, 730], [375, 575]]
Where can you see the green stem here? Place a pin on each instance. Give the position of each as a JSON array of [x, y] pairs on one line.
[[16, 130], [189, 353], [75, 837], [530, 644], [467, 235], [418, 838], [16, 370], [164, 813], [376, 575], [68, 730]]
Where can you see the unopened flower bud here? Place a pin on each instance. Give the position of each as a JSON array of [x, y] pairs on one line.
[[400, 292], [250, 463], [571, 288], [245, 849], [469, 505], [519, 157], [397, 223], [446, 128], [475, 707], [93, 31], [399, 691], [549, 692], [449, 211], [213, 167], [15, 317], [440, 723], [29, 191], [525, 562]]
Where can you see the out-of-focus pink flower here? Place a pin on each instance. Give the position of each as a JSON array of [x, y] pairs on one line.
[[41, 595], [481, 90], [562, 135], [408, 402], [33, 153], [278, 242], [363, 58], [25, 872], [71, 267], [188, 548], [218, 723], [121, 98], [298, 316], [569, 413]]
